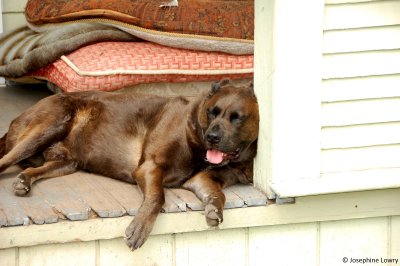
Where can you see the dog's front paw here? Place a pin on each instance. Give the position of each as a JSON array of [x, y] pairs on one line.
[[213, 215], [22, 185], [137, 233]]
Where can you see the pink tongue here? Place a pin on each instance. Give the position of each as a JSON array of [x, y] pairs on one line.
[[214, 156]]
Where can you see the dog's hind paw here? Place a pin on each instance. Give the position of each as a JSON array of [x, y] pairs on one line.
[[213, 215], [22, 185]]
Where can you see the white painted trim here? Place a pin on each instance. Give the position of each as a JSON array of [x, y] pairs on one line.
[[288, 85], [342, 206], [263, 72]]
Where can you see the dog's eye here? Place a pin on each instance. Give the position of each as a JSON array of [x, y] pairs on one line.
[[213, 112], [235, 117]]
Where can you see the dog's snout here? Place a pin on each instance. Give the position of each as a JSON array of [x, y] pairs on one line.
[[214, 137]]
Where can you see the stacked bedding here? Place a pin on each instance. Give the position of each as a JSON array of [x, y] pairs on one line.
[[109, 45]]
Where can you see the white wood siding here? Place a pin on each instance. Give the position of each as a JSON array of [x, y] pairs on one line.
[[13, 15], [315, 243], [361, 90], [359, 103]]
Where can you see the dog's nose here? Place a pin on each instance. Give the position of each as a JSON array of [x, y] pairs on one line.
[[213, 137]]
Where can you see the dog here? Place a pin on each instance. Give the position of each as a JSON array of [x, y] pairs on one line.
[[202, 145]]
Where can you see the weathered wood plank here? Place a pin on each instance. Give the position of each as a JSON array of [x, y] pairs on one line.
[[365, 204], [14, 213], [62, 198], [3, 217], [35, 207], [232, 200], [95, 195], [191, 200], [359, 15], [128, 195], [172, 202], [250, 195]]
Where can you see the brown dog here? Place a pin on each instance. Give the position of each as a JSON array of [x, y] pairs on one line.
[[154, 142]]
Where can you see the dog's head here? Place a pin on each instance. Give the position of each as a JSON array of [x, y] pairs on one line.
[[229, 120]]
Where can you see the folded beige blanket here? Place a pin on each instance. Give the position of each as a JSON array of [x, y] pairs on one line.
[[25, 50]]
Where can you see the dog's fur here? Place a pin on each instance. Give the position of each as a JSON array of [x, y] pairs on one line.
[[150, 141]]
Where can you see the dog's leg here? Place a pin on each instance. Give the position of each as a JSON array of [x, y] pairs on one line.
[[3, 145], [209, 191], [149, 178], [32, 139], [58, 162], [50, 169]]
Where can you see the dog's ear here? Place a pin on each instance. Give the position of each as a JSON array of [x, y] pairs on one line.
[[217, 85], [250, 88], [214, 88]]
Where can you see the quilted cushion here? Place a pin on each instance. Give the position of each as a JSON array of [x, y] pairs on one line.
[[217, 18], [110, 66]]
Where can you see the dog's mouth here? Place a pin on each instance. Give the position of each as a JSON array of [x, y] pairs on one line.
[[214, 156]]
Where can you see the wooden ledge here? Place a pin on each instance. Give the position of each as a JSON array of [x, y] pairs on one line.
[[82, 196], [376, 203]]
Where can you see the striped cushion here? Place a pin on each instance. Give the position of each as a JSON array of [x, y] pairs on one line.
[[110, 66]]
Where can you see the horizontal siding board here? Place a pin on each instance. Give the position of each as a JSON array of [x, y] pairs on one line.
[[333, 2], [395, 239], [78, 253], [359, 15], [157, 250], [14, 6], [365, 39], [361, 64], [8, 256], [356, 159], [216, 247], [360, 112], [360, 135], [342, 182], [12, 21], [363, 238], [334, 90], [294, 244]]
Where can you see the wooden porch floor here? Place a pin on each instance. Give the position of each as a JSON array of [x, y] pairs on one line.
[[82, 196]]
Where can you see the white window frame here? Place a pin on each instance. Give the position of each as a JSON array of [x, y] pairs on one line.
[[287, 79]]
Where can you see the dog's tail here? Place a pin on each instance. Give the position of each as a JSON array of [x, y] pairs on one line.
[[3, 145]]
